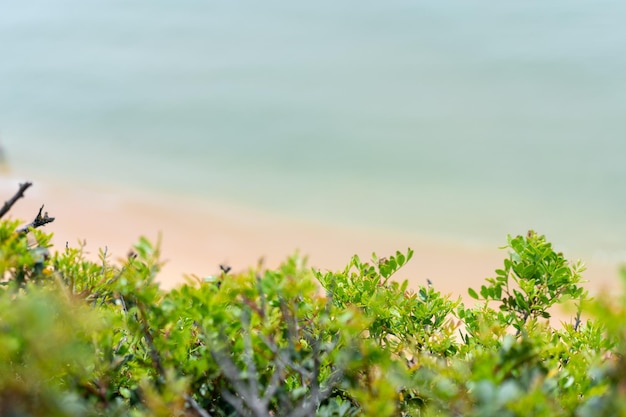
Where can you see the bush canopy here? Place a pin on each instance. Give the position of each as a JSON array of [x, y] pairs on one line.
[[85, 338]]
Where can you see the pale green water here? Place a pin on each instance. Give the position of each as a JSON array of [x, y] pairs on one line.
[[459, 119]]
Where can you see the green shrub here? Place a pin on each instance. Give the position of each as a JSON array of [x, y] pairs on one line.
[[82, 338]]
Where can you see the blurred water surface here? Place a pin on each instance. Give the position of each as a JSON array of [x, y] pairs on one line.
[[455, 119]]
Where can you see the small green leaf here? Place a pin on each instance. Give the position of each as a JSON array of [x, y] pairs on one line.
[[124, 392], [521, 301], [484, 292], [401, 259], [473, 293]]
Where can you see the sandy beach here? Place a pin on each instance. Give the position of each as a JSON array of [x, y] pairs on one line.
[[198, 236]]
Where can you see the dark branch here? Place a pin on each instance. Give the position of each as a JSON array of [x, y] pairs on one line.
[[19, 194], [38, 222], [578, 313]]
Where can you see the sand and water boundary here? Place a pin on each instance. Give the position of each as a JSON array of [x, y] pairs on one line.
[[198, 236]]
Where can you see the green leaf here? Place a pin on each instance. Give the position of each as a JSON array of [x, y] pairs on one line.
[[498, 292], [472, 293], [124, 392], [401, 259], [409, 255], [484, 292], [521, 301]]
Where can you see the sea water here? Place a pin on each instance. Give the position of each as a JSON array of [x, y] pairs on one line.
[[465, 120]]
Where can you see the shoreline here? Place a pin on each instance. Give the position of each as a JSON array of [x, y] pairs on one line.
[[198, 236]]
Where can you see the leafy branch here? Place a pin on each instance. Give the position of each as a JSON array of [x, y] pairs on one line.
[[250, 396], [534, 278]]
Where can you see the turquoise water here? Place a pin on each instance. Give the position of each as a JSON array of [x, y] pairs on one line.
[[456, 119]]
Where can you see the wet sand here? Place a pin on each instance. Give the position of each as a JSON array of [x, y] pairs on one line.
[[197, 237]]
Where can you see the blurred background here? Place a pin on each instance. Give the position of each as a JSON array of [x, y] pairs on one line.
[[454, 120]]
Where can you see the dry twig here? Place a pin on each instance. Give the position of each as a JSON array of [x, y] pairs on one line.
[[38, 222], [19, 194]]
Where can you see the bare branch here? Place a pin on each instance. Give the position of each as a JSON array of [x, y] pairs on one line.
[[251, 397], [274, 383], [247, 396], [38, 222], [196, 407], [246, 392], [578, 313], [19, 194], [236, 402]]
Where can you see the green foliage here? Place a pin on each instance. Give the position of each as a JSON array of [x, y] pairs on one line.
[[533, 279], [83, 338]]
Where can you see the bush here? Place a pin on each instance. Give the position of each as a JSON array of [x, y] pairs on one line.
[[82, 338]]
